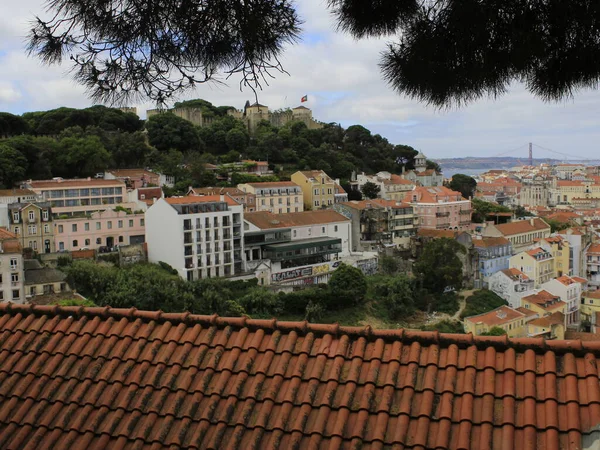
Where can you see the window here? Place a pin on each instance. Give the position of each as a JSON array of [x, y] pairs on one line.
[[295, 233], [60, 229], [75, 243], [316, 191], [46, 228], [98, 241], [323, 230], [316, 202], [98, 225], [16, 216], [32, 291], [14, 277], [87, 242], [15, 294], [13, 263], [86, 226], [32, 229], [31, 215], [121, 239], [309, 231], [130, 223], [120, 224], [141, 222], [74, 228], [45, 214], [17, 230], [61, 245], [109, 224], [33, 245]]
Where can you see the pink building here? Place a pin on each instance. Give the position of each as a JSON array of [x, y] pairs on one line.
[[100, 229], [440, 208], [134, 178]]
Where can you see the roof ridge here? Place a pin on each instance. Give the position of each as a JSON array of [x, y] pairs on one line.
[[539, 345]]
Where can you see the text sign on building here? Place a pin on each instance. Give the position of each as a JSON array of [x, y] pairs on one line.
[[304, 272]]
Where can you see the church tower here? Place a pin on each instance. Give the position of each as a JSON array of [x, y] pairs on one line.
[[420, 162]]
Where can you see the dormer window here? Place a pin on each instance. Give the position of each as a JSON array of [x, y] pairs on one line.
[[16, 216], [31, 215]]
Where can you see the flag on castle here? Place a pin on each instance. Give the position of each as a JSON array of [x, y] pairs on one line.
[[304, 99]]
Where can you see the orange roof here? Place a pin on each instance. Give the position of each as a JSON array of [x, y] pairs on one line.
[[340, 189], [566, 280], [514, 274], [592, 294], [567, 183], [15, 192], [427, 232], [545, 299], [526, 311], [522, 226], [217, 191], [498, 316], [108, 378], [192, 199], [362, 204], [390, 203], [486, 242], [432, 194], [266, 220], [580, 280], [594, 248], [273, 184], [536, 251], [556, 318], [316, 174], [132, 173], [582, 336], [87, 182], [397, 179], [5, 234]]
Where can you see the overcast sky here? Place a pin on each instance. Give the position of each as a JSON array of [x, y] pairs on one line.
[[343, 84]]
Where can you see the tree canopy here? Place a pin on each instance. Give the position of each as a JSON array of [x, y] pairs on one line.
[[439, 266], [464, 184], [441, 52], [370, 190]]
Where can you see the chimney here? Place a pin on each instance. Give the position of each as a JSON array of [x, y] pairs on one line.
[[531, 221], [403, 169], [222, 197], [89, 178]]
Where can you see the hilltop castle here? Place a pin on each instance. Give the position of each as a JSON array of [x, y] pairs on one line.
[[251, 115]]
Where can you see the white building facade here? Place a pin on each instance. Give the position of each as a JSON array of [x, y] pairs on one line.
[[12, 275], [199, 236], [512, 285], [569, 290]]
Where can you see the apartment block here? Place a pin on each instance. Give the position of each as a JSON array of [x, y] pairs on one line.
[[12, 276], [318, 189], [538, 264], [33, 224], [512, 321], [591, 257], [391, 186], [440, 208], [512, 285], [106, 228], [199, 236], [277, 197], [80, 195], [494, 255], [569, 290], [293, 249]]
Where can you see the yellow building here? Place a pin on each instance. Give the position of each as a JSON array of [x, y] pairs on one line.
[[565, 192], [590, 305], [505, 317], [32, 223], [277, 197], [318, 189], [544, 303], [538, 264], [559, 248], [549, 327]]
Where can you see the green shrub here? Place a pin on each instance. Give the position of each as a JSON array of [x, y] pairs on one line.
[[481, 302]]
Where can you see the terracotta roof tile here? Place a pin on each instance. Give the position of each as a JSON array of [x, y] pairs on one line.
[[104, 378], [522, 226], [514, 274], [84, 182], [5, 234], [15, 192], [426, 232], [486, 242], [191, 199], [265, 220], [272, 184], [526, 311], [594, 248], [498, 316]]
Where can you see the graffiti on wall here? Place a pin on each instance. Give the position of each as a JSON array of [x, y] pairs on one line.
[[368, 266], [304, 272]]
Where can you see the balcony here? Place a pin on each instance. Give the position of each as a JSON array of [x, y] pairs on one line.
[[465, 212], [442, 214], [14, 283], [303, 249]]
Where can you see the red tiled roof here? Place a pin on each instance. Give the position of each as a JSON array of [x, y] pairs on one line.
[[486, 242], [436, 234], [133, 173], [16, 192], [432, 194], [545, 299], [501, 315], [556, 318], [101, 378], [5, 234], [514, 274], [391, 203], [273, 184], [526, 311], [362, 204], [580, 280], [536, 251], [84, 182], [191, 199], [522, 226], [592, 294], [266, 220], [594, 248]]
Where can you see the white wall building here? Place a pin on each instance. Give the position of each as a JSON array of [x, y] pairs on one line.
[[12, 276], [512, 285], [569, 290], [199, 236], [576, 240]]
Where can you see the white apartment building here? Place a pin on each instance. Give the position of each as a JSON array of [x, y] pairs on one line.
[[512, 285], [12, 275], [199, 236], [569, 290]]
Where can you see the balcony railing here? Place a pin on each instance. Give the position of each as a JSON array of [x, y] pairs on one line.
[[442, 214]]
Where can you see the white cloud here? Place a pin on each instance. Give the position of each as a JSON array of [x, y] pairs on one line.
[[344, 85]]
